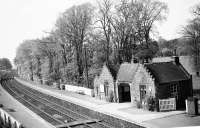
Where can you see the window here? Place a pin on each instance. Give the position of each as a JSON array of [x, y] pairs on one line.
[[106, 85], [97, 89], [174, 90], [142, 92]]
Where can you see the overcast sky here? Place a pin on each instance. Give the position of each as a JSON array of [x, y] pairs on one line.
[[28, 19]]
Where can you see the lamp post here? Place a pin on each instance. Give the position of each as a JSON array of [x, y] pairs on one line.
[[86, 64]]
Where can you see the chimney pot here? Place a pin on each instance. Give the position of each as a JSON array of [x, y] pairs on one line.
[[176, 60]]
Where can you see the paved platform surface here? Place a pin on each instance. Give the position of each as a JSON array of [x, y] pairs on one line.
[[125, 111], [21, 113], [179, 121]]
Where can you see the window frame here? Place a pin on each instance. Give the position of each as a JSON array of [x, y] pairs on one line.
[[106, 87], [143, 92], [174, 91]]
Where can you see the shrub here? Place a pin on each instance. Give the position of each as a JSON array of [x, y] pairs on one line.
[[93, 95], [151, 103], [63, 87], [138, 104], [1, 105]]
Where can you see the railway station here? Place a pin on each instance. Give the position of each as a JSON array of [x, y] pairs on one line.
[[99, 63], [73, 111]]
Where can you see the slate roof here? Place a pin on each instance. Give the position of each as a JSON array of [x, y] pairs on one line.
[[167, 72], [127, 72], [113, 70]]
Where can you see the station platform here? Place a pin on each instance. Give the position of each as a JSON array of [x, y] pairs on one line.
[[124, 111], [22, 114]]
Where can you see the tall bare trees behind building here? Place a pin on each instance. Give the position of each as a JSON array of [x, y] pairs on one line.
[[114, 32], [192, 32], [73, 27], [128, 23]]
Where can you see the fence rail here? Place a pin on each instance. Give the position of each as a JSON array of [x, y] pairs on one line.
[[167, 104], [8, 121]]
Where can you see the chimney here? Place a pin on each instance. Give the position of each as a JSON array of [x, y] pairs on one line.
[[197, 73], [176, 60]]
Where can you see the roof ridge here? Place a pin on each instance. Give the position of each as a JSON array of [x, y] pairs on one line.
[[165, 71], [158, 62]]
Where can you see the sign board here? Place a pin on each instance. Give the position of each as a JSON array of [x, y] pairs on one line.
[[167, 104]]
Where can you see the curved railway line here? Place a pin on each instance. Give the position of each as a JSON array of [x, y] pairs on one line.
[[51, 109]]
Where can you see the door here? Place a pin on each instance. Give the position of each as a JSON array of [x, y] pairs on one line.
[[124, 93], [142, 92]]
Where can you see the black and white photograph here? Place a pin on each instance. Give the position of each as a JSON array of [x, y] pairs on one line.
[[100, 64]]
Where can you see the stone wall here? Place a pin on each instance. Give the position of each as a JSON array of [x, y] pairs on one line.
[[105, 76], [96, 85], [142, 77]]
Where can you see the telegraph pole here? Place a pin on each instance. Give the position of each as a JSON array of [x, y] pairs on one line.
[[86, 66]]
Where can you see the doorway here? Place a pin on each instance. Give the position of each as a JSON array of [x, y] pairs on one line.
[[124, 93]]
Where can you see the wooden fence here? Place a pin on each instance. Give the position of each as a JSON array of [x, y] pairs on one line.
[[167, 104]]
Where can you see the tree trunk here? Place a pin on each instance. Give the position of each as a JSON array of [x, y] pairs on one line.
[[39, 69], [50, 64], [31, 71]]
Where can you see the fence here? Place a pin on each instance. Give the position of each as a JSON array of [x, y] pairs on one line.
[[167, 104], [8, 121], [78, 89]]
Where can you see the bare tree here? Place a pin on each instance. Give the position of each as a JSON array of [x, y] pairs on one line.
[[132, 23], [74, 25], [123, 23], [192, 32], [149, 12], [5, 64], [105, 19], [24, 60]]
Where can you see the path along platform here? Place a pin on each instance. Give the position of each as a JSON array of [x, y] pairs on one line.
[[20, 112], [124, 111]]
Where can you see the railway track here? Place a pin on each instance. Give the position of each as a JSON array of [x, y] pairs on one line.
[[51, 109]]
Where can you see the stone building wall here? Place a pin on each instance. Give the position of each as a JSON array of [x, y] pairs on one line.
[[142, 77], [105, 76], [96, 86]]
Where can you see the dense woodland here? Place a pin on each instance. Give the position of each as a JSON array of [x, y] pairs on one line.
[[6, 71], [87, 36]]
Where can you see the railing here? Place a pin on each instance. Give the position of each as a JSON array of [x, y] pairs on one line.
[[8, 121], [167, 104]]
